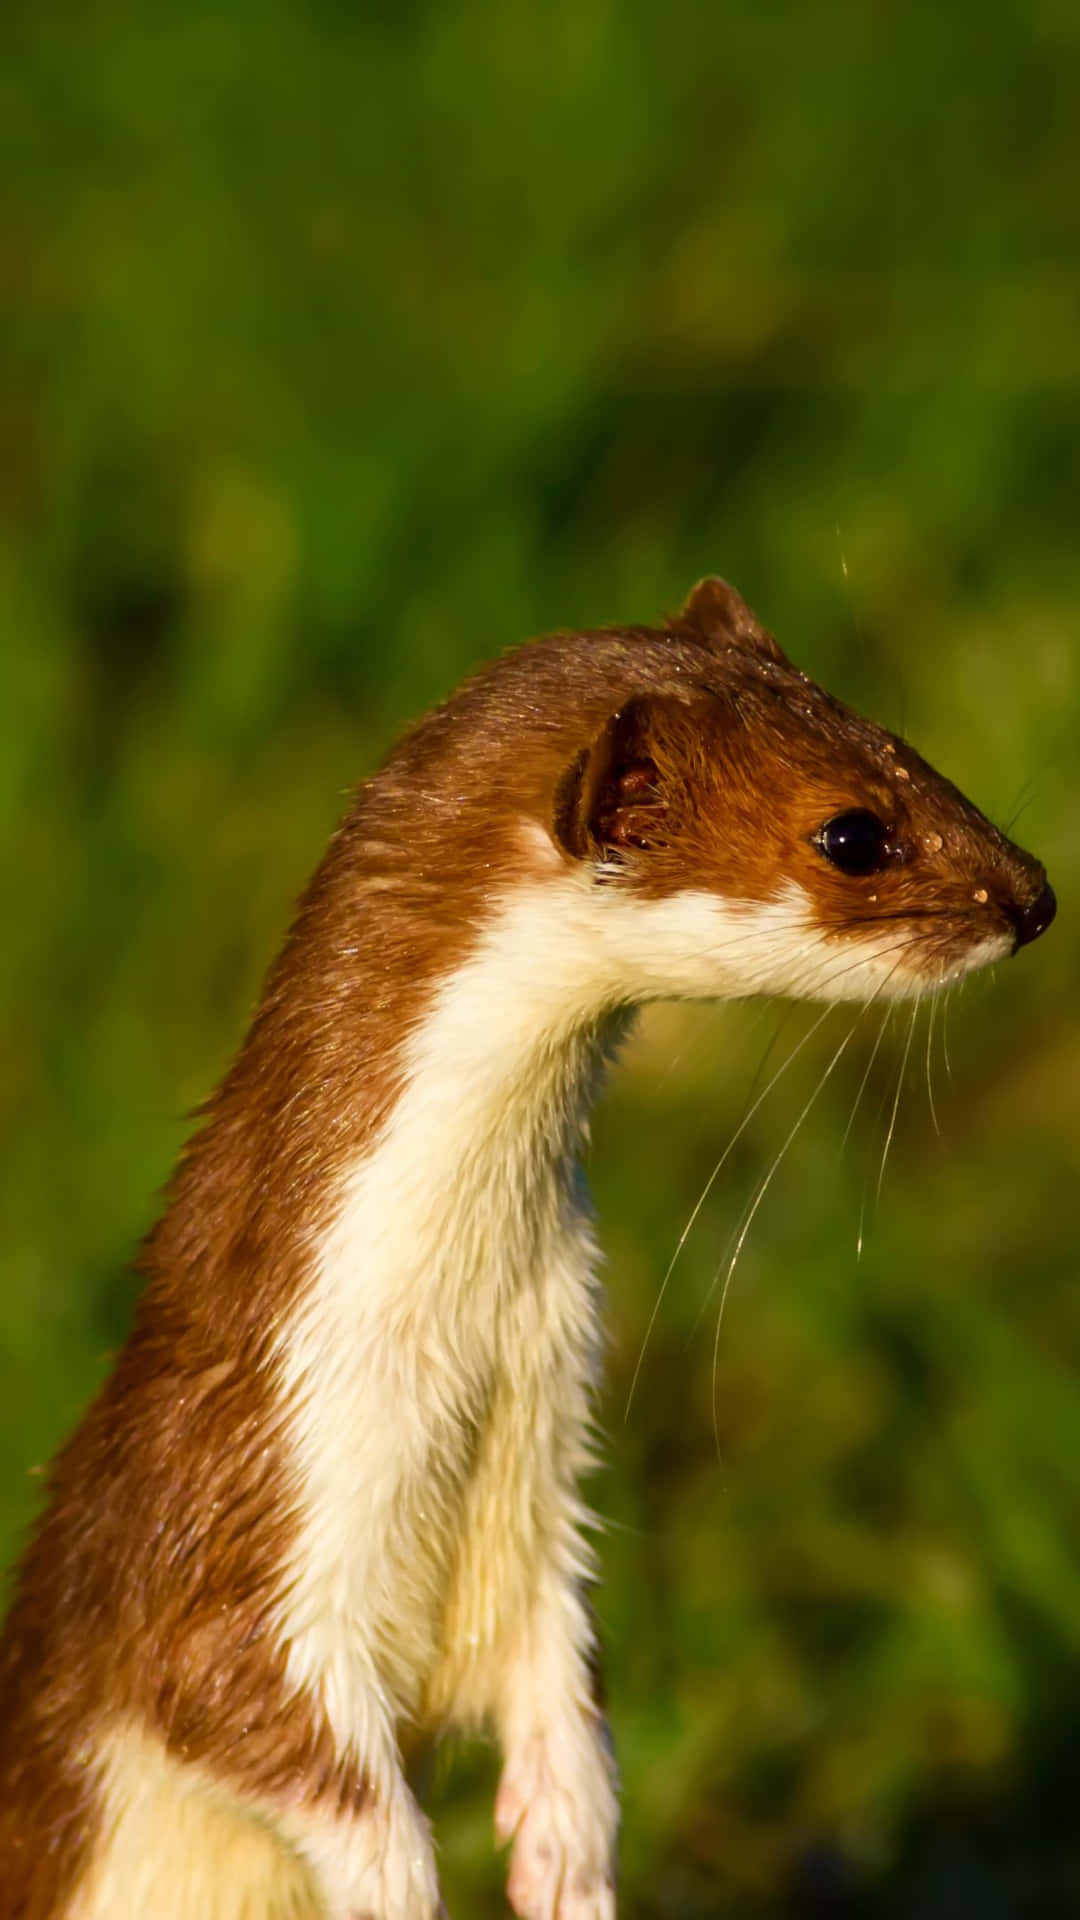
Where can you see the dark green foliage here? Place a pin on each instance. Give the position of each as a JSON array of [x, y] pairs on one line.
[[346, 345]]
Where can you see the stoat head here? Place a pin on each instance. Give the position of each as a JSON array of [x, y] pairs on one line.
[[822, 855]]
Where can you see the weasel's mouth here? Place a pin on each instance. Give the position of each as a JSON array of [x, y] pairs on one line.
[[941, 944]]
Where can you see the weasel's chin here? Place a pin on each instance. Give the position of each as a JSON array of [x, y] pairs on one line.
[[923, 964], [969, 956]]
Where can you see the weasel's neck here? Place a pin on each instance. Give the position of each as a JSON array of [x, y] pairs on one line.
[[468, 1174], [397, 1076]]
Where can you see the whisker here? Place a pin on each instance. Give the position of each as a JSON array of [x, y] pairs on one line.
[[774, 1037], [898, 947], [885, 1018], [854, 921], [945, 1033], [751, 1211], [882, 1029], [669, 1067], [860, 1237], [929, 1076], [707, 1189], [896, 1102], [1023, 800], [854, 924]]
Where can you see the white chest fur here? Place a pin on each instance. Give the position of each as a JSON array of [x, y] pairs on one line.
[[459, 1248], [460, 1227]]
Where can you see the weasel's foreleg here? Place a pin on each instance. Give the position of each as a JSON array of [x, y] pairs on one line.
[[379, 1865], [557, 1797], [520, 1642], [375, 1862]]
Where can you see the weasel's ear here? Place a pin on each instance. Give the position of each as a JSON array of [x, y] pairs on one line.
[[718, 615], [610, 796]]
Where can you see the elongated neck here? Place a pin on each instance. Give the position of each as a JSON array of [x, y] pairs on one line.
[[448, 1057], [508, 1056], [467, 1192]]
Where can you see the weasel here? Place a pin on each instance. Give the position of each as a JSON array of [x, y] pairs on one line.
[[326, 1506]]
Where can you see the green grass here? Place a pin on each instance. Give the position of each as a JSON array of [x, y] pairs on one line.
[[346, 345]]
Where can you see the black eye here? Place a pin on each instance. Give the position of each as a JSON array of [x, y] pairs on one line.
[[856, 842]]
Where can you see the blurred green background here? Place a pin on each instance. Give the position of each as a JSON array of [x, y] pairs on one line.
[[345, 345]]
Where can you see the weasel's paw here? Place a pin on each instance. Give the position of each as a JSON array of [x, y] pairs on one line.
[[562, 1820], [542, 1887]]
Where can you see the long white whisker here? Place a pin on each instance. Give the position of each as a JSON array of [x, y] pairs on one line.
[[708, 1187], [860, 1238], [732, 1253], [898, 947], [929, 1075], [719, 949], [860, 1016], [863, 1011], [945, 1034], [874, 1051], [762, 1189], [896, 1102], [803, 981]]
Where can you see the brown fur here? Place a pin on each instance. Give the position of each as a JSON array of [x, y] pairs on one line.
[[693, 755]]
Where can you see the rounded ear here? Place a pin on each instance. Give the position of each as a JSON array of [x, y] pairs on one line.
[[718, 615], [610, 796]]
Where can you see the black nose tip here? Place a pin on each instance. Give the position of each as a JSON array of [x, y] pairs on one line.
[[1032, 920]]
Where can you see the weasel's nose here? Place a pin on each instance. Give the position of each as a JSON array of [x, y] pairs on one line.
[[1032, 920]]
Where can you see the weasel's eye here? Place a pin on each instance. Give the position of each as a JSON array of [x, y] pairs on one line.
[[855, 842]]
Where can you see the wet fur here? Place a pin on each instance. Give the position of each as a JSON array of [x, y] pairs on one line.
[[327, 1504]]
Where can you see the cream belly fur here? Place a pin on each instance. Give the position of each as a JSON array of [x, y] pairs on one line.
[[179, 1847]]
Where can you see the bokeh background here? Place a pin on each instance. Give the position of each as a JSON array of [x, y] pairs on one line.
[[345, 345]]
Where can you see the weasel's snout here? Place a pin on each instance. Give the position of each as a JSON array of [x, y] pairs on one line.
[[1033, 919]]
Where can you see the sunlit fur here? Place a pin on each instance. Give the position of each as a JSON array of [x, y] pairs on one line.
[[181, 1847], [440, 1369], [327, 1505]]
